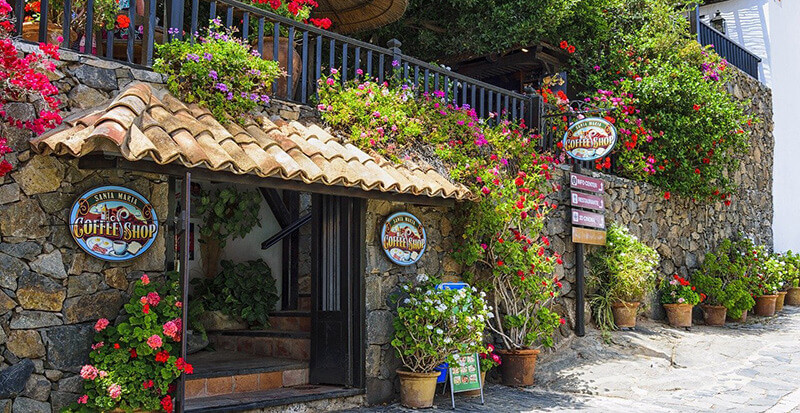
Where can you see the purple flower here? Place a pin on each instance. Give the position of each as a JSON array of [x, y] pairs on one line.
[[334, 71], [229, 96], [222, 87], [359, 72], [193, 57], [213, 74], [173, 30], [438, 93], [208, 56], [265, 98], [395, 63]]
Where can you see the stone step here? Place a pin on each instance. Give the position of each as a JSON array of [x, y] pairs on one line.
[[264, 399], [266, 343], [304, 302], [290, 320]]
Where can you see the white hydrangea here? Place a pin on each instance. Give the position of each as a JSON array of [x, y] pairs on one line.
[[421, 278]]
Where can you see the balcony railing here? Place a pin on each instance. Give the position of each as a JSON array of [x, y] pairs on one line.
[[305, 52], [734, 53]]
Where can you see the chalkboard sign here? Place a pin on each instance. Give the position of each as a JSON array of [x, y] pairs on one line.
[[465, 373]]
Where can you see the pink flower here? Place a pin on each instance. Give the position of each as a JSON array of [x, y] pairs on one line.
[[102, 373], [98, 345], [330, 81], [170, 329], [179, 304], [143, 300], [145, 279], [115, 390], [88, 372], [154, 341], [83, 399], [100, 325], [153, 298]]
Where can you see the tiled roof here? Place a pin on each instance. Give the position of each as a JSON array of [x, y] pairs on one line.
[[150, 124]]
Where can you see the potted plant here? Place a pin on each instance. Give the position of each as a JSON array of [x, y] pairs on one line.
[[767, 283], [722, 286], [622, 274], [488, 360], [679, 298], [793, 278], [432, 326]]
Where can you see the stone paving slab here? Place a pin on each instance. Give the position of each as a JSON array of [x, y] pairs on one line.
[[752, 367]]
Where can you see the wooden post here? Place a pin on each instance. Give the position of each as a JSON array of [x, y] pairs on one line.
[[184, 271]]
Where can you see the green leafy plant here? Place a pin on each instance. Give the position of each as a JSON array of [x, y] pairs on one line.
[[678, 290], [720, 280], [228, 213], [624, 270], [244, 290], [793, 275], [432, 325], [217, 71], [134, 364]]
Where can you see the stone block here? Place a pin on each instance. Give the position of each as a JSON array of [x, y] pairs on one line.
[[37, 292], [104, 304], [24, 219], [14, 378], [6, 303], [26, 250], [86, 283], [72, 384], [97, 77], [50, 264], [60, 399], [34, 319], [10, 270], [25, 344], [84, 97], [37, 388], [68, 347], [26, 405], [83, 262], [9, 193], [379, 327], [42, 174], [379, 391]]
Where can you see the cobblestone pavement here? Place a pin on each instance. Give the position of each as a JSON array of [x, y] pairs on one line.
[[753, 367]]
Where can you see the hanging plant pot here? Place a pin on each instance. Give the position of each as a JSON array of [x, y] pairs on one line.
[[476, 393], [518, 366], [417, 389], [625, 313], [679, 315], [780, 301], [765, 305], [793, 296], [741, 319], [714, 315]]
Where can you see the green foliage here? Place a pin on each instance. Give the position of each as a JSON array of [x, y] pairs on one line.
[[218, 72], [678, 290], [433, 325], [721, 280], [139, 354], [244, 290], [623, 270], [228, 213], [793, 274]]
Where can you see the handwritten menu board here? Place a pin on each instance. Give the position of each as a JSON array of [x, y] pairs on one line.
[[465, 373]]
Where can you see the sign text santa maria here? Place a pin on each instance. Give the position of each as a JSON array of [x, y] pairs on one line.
[[113, 223], [403, 238]]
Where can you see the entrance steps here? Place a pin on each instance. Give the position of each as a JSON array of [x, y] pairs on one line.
[[295, 398], [294, 345], [290, 320]]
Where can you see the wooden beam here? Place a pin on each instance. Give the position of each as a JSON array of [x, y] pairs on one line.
[[294, 226], [101, 161], [277, 206]]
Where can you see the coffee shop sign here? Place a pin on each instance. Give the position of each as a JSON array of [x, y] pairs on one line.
[[403, 238], [113, 223]]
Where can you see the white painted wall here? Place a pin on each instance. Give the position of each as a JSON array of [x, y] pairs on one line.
[[771, 30]]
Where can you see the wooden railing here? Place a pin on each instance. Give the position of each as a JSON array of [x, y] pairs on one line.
[[305, 52], [733, 52]]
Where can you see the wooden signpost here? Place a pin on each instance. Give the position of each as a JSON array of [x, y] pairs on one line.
[[465, 375]]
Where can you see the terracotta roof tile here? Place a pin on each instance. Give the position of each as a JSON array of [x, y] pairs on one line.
[[143, 123]]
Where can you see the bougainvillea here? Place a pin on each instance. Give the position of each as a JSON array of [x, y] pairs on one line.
[[502, 243], [299, 10], [134, 364], [25, 80]]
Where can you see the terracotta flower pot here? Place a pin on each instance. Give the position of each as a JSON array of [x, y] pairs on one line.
[[518, 366], [679, 315], [779, 302], [741, 319], [283, 61], [793, 296], [625, 313], [714, 315], [417, 389], [765, 305], [476, 393]]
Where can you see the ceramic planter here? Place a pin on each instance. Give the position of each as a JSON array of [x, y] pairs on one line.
[[714, 315], [793, 296], [780, 301], [625, 313], [518, 366], [476, 393], [283, 61], [741, 319], [765, 305], [417, 389], [679, 315]]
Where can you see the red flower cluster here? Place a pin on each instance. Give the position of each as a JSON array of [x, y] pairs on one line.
[[566, 46], [162, 356], [682, 281], [166, 404]]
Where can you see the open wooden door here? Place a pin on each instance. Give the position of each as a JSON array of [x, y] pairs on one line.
[[337, 292]]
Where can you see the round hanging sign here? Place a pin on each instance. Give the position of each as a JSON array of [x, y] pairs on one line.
[[113, 223], [403, 238], [589, 139]]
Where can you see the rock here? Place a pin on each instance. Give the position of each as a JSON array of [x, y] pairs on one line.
[[24, 219], [26, 405], [34, 319], [6, 303], [9, 193], [14, 378], [25, 344], [83, 284], [37, 388], [84, 97], [379, 391], [115, 278], [27, 250], [10, 270], [20, 110], [97, 77], [5, 406], [55, 202], [68, 347], [36, 292], [195, 342], [104, 304], [50, 264], [83, 262], [147, 76], [53, 375], [60, 399], [379, 327], [72, 384], [42, 174], [216, 320]]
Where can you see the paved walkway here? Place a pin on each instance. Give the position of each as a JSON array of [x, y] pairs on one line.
[[753, 367]]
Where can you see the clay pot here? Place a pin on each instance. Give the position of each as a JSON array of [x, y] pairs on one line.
[[30, 32], [476, 393], [283, 62], [679, 315], [625, 313], [779, 302], [417, 389], [219, 321], [793, 296], [741, 319], [765, 305], [714, 315], [518, 366]]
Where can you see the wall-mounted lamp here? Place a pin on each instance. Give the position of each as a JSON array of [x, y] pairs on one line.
[[718, 22]]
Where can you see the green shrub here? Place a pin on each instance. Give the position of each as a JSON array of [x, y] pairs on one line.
[[244, 290], [678, 290], [228, 213], [720, 280]]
